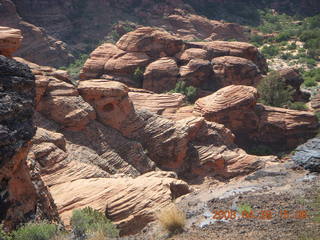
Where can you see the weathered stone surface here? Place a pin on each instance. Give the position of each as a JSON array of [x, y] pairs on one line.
[[10, 40], [285, 126], [232, 106], [237, 49], [20, 198], [231, 70], [129, 202], [198, 73], [94, 66], [154, 42], [193, 53], [126, 63], [37, 46], [308, 155], [235, 107], [161, 104], [315, 102], [161, 75]]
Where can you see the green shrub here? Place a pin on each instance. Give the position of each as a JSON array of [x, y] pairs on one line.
[[270, 51], [318, 115], [261, 150], [138, 75], [300, 106], [75, 67], [292, 46], [310, 82], [190, 92], [89, 221], [244, 208], [273, 91], [35, 231]]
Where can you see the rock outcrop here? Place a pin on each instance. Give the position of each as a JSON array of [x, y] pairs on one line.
[[308, 155], [156, 60], [20, 199], [236, 108], [235, 71], [10, 41]]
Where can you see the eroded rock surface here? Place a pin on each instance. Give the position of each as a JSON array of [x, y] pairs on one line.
[[10, 40]]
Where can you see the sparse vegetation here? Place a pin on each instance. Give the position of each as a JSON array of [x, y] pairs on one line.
[[172, 219], [138, 75], [189, 91], [89, 222], [273, 91], [74, 68], [261, 150], [270, 51], [244, 208], [35, 231], [301, 106]]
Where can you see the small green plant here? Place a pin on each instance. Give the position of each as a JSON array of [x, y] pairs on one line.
[[172, 219], [273, 91], [75, 67], [138, 75], [300, 106], [190, 92], [88, 221], [35, 231], [270, 51], [244, 208], [310, 82], [318, 115]]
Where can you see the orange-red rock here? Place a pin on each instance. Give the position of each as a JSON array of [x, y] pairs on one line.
[[154, 42], [161, 75], [10, 40], [231, 70]]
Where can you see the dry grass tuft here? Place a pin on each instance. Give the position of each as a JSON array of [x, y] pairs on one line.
[[172, 219], [98, 235]]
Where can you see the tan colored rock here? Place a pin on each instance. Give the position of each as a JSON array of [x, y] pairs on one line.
[[285, 126], [129, 202], [193, 53], [237, 49], [10, 40], [232, 106], [94, 66], [161, 75], [231, 70], [235, 107], [126, 63], [157, 103], [154, 42], [315, 102]]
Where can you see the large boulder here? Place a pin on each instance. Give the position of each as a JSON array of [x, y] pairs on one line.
[[94, 66], [10, 40], [161, 75], [232, 106], [308, 155], [231, 70], [236, 108], [237, 49], [153, 42]]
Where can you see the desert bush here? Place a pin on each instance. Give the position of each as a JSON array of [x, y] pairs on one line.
[[87, 221], [310, 82], [273, 91], [172, 219], [138, 75], [244, 208], [75, 67], [300, 106], [270, 51], [35, 231], [190, 92], [260, 150]]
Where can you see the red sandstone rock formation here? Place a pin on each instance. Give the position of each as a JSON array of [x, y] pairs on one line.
[[10, 41]]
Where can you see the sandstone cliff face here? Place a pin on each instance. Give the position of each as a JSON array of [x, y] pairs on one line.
[[37, 46], [20, 199]]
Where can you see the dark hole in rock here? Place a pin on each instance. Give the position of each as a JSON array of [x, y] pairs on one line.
[[108, 107]]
